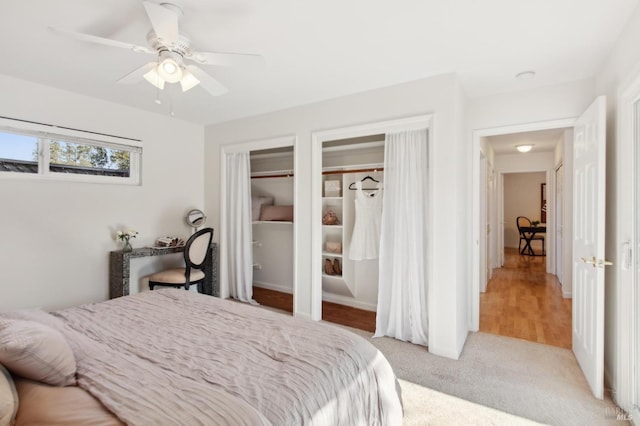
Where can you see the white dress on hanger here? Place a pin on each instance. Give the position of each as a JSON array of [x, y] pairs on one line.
[[365, 240]]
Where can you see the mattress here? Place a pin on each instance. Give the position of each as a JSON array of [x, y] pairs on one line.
[[171, 356]]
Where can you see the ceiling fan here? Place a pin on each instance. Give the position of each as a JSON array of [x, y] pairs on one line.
[[172, 50]]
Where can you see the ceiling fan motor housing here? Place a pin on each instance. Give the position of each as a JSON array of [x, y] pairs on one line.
[[182, 46]]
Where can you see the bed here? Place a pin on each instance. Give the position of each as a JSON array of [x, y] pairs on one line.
[[176, 357]]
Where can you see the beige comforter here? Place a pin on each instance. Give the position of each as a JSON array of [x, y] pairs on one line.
[[179, 358]]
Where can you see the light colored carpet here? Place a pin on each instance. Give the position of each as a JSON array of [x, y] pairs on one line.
[[424, 406], [497, 381], [538, 382]]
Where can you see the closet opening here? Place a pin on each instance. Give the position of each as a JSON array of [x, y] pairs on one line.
[[257, 226], [392, 285], [352, 173], [272, 199]]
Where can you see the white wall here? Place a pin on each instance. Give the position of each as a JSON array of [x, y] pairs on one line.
[[56, 236], [521, 198], [530, 106], [618, 70], [439, 95]]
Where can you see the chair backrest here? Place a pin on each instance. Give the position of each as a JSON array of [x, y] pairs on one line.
[[197, 247], [522, 221]]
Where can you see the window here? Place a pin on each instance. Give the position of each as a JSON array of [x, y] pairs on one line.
[[69, 155]]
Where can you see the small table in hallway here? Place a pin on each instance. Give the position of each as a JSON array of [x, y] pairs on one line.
[[528, 233]]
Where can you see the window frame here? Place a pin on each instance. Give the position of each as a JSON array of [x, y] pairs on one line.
[[45, 134]]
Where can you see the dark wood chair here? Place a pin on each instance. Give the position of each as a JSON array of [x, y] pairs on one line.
[[195, 256], [524, 222]]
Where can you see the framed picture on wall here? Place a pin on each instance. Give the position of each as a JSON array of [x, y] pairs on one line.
[[543, 202]]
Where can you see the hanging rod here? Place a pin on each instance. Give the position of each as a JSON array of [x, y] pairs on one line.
[[328, 172], [272, 176], [344, 172]]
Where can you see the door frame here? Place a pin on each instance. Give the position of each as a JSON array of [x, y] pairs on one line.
[[627, 306], [255, 145], [477, 203]]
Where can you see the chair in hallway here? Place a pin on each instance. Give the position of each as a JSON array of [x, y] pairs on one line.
[[526, 234]]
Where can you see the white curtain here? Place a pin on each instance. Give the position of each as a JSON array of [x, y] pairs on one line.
[[402, 285], [239, 235]]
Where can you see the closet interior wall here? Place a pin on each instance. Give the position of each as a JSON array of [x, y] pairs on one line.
[[273, 240], [357, 286]]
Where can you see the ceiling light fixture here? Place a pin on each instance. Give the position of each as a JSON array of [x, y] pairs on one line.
[[170, 71], [526, 75], [154, 78], [524, 148], [188, 81]]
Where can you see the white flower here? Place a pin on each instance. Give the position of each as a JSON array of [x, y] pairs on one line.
[[126, 234]]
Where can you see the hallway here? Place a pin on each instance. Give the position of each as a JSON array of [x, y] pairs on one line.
[[525, 302]]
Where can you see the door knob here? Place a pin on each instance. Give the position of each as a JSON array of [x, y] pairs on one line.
[[599, 263]]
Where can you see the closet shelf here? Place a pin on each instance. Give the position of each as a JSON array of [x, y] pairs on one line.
[[329, 254], [332, 226], [335, 277]]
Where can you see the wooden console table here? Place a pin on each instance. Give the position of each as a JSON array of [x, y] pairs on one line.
[[119, 268]]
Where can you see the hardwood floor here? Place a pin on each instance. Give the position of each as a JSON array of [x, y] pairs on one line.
[[521, 301], [525, 302], [332, 312]]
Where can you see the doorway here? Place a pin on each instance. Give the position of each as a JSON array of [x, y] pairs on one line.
[[272, 192], [495, 161], [267, 147], [521, 299], [319, 141]]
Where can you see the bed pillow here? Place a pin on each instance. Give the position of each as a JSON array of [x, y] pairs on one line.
[[36, 351], [42, 404], [277, 213], [8, 398], [256, 206]]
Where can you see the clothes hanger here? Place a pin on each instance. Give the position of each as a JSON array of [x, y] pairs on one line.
[[351, 187]]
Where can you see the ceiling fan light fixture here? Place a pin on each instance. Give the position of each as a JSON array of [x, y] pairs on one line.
[[170, 70], [524, 147], [189, 81], [154, 78]]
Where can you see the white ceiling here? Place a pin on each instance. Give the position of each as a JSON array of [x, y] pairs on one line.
[[542, 141], [314, 50]]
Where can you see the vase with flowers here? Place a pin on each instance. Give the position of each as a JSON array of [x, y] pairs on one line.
[[125, 236]]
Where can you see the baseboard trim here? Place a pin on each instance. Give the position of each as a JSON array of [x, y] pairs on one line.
[[343, 300], [274, 287]]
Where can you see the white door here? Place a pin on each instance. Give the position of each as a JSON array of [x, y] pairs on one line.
[[588, 243]]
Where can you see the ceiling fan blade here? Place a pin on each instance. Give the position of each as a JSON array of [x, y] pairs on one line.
[[228, 59], [104, 41], [164, 21], [138, 74], [208, 83]]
